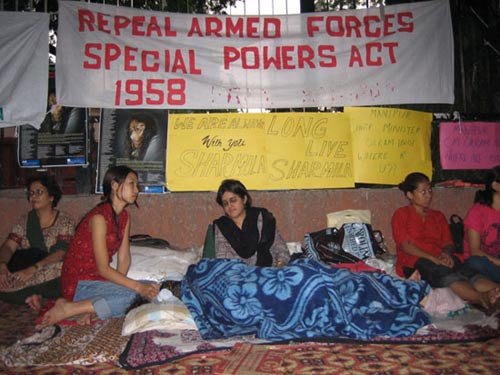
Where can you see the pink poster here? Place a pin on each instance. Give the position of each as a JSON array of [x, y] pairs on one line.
[[469, 145]]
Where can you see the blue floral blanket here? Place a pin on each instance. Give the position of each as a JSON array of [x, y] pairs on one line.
[[305, 299]]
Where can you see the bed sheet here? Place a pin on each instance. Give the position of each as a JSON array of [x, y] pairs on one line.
[[153, 264]]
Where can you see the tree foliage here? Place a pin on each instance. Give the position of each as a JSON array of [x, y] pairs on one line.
[[333, 5], [179, 6]]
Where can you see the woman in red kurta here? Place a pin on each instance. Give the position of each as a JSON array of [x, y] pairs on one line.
[[80, 263], [90, 285], [424, 244]]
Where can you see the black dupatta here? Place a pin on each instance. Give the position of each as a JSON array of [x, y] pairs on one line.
[[249, 239]]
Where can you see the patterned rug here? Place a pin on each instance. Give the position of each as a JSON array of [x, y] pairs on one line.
[[480, 358], [19, 317], [249, 359], [95, 350], [100, 342], [156, 347], [334, 358]]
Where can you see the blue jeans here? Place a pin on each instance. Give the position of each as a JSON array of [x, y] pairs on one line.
[[109, 299], [485, 266]]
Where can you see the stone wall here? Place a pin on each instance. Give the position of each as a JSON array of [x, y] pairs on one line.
[[182, 218]]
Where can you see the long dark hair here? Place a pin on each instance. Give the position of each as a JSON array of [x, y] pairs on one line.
[[411, 182], [149, 133], [235, 187], [115, 174], [486, 196], [50, 183]]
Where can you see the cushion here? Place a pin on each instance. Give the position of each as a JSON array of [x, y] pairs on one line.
[[170, 314], [153, 264]]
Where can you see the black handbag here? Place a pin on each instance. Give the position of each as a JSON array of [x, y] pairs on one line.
[[326, 245], [24, 258]]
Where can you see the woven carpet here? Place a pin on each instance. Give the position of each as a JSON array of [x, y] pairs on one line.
[[314, 358], [85, 345], [462, 357], [155, 347], [100, 342], [479, 358]]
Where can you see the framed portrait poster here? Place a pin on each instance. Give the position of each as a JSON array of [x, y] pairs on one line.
[[136, 138], [62, 139]]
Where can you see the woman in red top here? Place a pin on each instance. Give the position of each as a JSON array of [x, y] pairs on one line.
[[424, 244], [90, 285]]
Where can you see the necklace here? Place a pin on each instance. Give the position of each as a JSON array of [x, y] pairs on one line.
[[47, 222]]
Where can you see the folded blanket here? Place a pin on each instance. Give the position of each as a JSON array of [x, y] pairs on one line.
[[305, 299]]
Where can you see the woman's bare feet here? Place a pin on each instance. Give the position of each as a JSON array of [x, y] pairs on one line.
[[86, 319], [64, 309], [55, 314], [490, 300], [34, 302], [415, 276], [494, 297]]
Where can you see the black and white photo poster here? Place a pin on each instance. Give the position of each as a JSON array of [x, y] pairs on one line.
[[61, 139], [136, 138]]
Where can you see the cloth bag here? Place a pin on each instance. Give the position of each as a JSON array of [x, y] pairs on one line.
[[359, 241], [356, 231], [339, 218]]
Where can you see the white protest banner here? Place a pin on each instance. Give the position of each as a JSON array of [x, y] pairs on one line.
[[118, 57], [24, 68]]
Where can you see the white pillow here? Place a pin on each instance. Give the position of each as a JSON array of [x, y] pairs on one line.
[[153, 264], [294, 247], [170, 314]]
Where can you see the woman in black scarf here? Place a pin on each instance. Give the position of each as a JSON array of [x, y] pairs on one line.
[[244, 232]]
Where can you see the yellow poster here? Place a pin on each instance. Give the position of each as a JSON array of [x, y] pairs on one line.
[[309, 150], [266, 151], [389, 143]]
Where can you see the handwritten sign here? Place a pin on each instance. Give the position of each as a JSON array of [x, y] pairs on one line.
[[469, 145], [267, 151], [119, 57], [389, 143]]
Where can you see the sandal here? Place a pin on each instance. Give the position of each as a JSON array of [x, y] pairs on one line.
[[42, 336]]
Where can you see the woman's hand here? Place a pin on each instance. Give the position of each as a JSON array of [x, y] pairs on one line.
[[444, 260], [495, 260], [26, 274], [148, 291]]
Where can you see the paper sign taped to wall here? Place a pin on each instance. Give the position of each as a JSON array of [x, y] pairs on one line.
[[267, 151], [389, 143], [469, 145]]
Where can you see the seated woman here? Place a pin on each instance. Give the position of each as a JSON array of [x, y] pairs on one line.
[[424, 244], [31, 257], [90, 285], [243, 292], [244, 232], [482, 229]]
